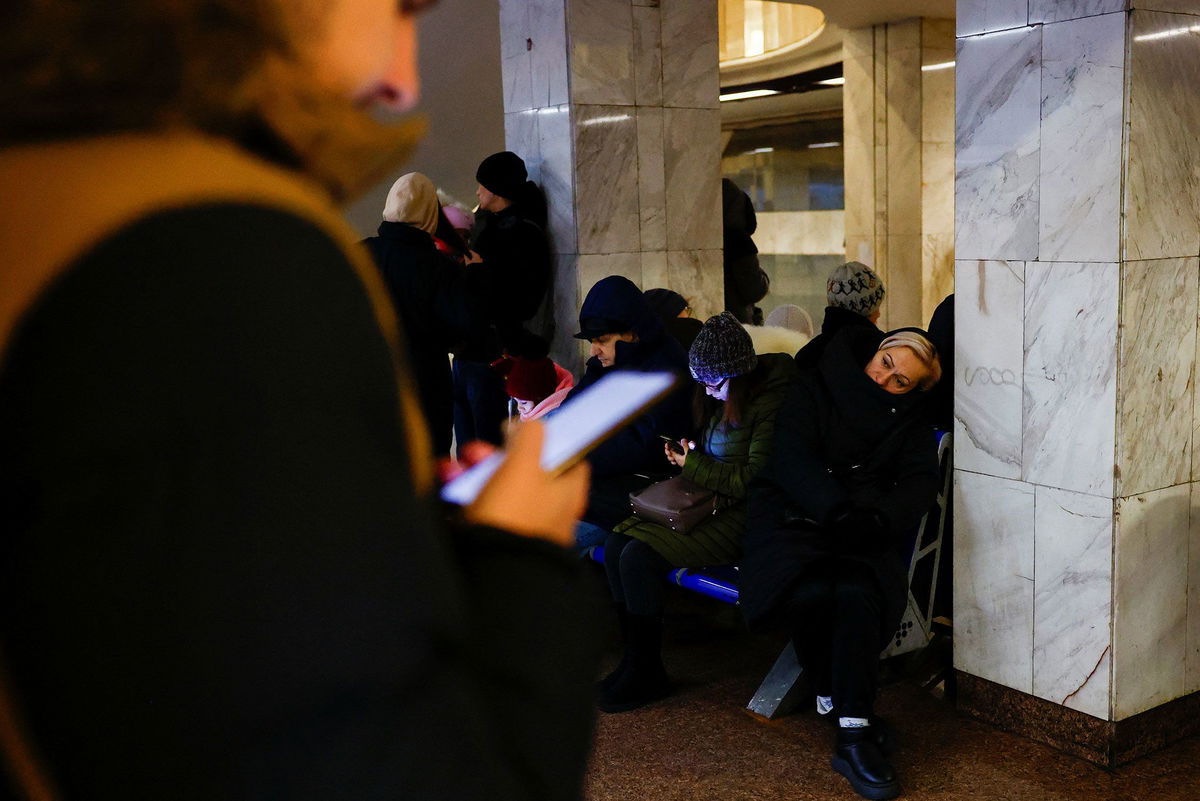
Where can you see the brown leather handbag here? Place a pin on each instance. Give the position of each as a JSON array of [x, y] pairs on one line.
[[677, 503]]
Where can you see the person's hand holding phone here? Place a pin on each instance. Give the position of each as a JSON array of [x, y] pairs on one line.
[[523, 498], [676, 450]]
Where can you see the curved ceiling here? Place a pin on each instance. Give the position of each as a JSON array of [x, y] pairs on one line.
[[861, 13]]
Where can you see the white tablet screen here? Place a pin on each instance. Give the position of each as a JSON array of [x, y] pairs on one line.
[[576, 427]]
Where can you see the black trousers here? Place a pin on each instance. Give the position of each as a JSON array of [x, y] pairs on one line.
[[835, 614], [480, 403], [635, 574]]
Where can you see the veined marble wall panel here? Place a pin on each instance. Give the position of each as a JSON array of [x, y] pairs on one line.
[[1061, 10], [808, 232], [594, 266], [1070, 376], [655, 273], [690, 53], [601, 43], [982, 16], [937, 86], [652, 177], [904, 129], [647, 49], [1150, 617], [997, 139], [548, 32], [699, 276], [693, 174], [606, 179], [521, 137], [904, 277], [1082, 105], [1156, 365], [993, 579], [937, 271], [858, 105], [989, 311], [515, 59], [1072, 600], [1173, 6], [1193, 613], [1162, 200], [557, 176], [937, 188], [568, 297]]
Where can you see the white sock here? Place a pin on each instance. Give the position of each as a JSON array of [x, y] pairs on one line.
[[824, 704], [853, 723]]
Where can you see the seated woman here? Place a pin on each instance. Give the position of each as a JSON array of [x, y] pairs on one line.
[[536, 382], [854, 467], [732, 448]]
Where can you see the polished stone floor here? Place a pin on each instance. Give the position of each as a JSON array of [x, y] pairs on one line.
[[700, 744]]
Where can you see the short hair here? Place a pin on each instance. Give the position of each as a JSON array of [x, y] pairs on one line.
[[924, 350]]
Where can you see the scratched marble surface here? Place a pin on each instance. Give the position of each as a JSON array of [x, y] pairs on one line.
[[1150, 616], [993, 579], [1059, 10], [1082, 102], [1070, 371], [989, 328], [982, 16], [1193, 613], [1162, 201], [997, 141], [1155, 368], [602, 71], [1072, 600]]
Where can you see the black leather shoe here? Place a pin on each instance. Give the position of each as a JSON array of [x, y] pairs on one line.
[[864, 766]]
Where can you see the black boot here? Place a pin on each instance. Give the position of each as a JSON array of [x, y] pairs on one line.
[[857, 757], [644, 679], [623, 665]]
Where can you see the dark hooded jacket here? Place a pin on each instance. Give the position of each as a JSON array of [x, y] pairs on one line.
[[836, 318], [637, 447], [745, 282], [509, 286], [428, 292], [842, 444]]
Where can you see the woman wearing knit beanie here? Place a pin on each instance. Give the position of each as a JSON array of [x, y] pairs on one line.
[[737, 434]]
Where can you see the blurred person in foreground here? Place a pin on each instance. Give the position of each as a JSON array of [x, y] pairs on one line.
[[224, 574]]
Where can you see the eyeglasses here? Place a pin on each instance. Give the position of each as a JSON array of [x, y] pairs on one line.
[[717, 387]]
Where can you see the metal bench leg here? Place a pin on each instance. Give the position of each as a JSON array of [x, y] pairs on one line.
[[780, 692]]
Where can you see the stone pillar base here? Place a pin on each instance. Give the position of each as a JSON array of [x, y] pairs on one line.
[[1102, 742]]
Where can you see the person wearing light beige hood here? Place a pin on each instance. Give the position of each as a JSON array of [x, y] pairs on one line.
[[428, 290]]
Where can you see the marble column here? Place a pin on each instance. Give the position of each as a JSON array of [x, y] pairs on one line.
[[1077, 239], [899, 135], [613, 106]]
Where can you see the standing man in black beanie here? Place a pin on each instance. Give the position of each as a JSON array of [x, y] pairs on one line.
[[508, 274]]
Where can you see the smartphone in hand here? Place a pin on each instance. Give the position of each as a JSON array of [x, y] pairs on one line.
[[673, 444]]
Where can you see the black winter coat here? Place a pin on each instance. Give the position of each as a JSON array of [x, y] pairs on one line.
[[637, 448], [841, 442], [745, 281], [429, 293], [509, 286], [836, 319]]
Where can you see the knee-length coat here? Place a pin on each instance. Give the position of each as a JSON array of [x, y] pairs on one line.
[[725, 460]]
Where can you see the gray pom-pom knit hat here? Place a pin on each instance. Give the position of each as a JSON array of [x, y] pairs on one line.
[[855, 287], [721, 350]]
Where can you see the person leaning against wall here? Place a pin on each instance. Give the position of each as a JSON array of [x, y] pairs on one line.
[[223, 574]]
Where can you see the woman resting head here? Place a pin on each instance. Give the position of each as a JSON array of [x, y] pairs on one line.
[[906, 360]]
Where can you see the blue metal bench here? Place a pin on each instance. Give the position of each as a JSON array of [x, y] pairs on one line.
[[779, 692]]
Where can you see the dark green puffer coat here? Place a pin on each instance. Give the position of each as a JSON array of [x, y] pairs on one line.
[[724, 461]]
